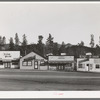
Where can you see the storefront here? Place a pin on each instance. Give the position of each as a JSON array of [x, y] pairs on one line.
[[61, 62], [9, 59], [33, 61], [88, 65]]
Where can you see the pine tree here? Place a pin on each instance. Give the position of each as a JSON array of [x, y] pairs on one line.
[[4, 40], [49, 44], [0, 40], [40, 45], [99, 40], [11, 44], [62, 49], [24, 43], [92, 41], [55, 49], [16, 40]]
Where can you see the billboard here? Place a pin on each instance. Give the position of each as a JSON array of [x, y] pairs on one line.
[[61, 58], [9, 55]]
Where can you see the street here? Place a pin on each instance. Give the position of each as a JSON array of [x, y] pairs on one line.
[[30, 80]]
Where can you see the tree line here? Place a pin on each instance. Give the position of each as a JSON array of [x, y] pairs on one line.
[[50, 47]]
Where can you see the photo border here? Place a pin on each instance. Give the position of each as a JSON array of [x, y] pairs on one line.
[[55, 98]]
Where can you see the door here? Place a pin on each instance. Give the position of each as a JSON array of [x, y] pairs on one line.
[[36, 65], [7, 65]]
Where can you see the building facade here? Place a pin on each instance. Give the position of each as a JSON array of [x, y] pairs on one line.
[[88, 64], [33, 61], [61, 62], [9, 59]]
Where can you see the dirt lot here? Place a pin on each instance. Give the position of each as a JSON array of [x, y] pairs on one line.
[[29, 80]]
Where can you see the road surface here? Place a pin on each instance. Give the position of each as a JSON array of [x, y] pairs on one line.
[[30, 80]]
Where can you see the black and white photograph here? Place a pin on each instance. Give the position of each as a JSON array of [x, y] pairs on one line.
[[50, 46]]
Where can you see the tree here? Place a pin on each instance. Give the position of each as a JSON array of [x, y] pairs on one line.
[[99, 40], [3, 40], [40, 45], [62, 49], [92, 41], [16, 40], [24, 43], [81, 44], [55, 49], [49, 44], [0, 40], [11, 44]]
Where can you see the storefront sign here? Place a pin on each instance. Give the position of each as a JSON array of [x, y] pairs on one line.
[[9, 54], [61, 58]]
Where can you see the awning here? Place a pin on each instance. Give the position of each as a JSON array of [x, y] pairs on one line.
[[60, 62], [6, 60], [9, 60], [83, 60]]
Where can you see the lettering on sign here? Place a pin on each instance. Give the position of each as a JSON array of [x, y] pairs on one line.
[[7, 55], [61, 58]]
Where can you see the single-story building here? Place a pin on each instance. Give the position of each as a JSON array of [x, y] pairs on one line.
[[88, 64], [9, 59], [62, 62], [33, 61]]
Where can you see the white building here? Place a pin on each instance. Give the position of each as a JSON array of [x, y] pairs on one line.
[[9, 59], [88, 64], [61, 62], [33, 61]]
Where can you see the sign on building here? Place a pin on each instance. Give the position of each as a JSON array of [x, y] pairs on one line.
[[61, 58], [9, 54]]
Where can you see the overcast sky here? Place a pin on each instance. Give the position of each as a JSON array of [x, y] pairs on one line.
[[68, 22]]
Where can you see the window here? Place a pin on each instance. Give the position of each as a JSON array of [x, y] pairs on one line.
[[14, 63], [69, 64], [24, 63], [42, 63], [97, 66], [1, 63], [90, 66], [27, 63], [81, 66]]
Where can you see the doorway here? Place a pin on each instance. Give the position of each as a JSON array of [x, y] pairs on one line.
[[7, 65], [36, 65]]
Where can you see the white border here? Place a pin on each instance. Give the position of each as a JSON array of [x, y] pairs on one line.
[[51, 94]]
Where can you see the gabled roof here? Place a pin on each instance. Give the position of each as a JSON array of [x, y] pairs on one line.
[[32, 55]]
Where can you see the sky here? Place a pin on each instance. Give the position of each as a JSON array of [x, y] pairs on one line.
[[69, 22]]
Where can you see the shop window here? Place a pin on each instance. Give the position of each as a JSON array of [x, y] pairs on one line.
[[97, 66], [1, 63], [27, 63], [69, 64], [14, 63], [42, 63], [80, 66], [90, 66]]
